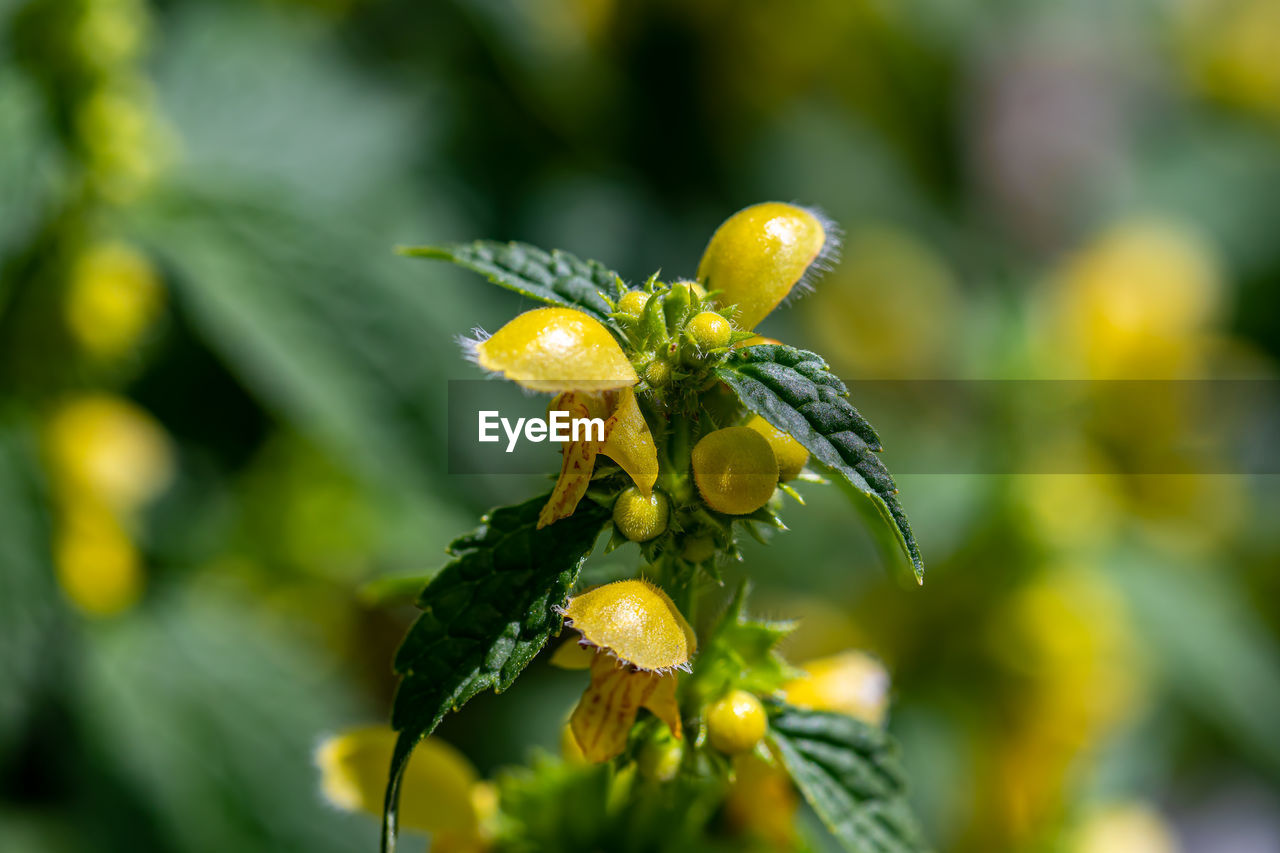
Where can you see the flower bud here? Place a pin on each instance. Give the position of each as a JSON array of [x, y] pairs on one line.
[[640, 518], [735, 470], [709, 331], [659, 759], [633, 302], [790, 453], [736, 723]]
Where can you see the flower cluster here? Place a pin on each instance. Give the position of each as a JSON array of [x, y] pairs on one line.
[[691, 454]]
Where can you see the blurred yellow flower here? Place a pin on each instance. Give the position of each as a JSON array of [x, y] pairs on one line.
[[1124, 828], [1068, 635], [762, 802], [852, 683], [1136, 303], [110, 33], [441, 792], [96, 563], [104, 448], [125, 144], [1233, 50], [113, 296]]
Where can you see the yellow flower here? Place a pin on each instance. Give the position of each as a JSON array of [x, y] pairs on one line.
[[1135, 304], [627, 441], [736, 723], [640, 638], [758, 255], [851, 683], [557, 349], [441, 793], [105, 448], [569, 352], [735, 470], [97, 565], [762, 802], [790, 453], [113, 295], [1124, 828]]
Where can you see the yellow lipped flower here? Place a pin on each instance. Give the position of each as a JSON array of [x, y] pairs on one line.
[[758, 255], [571, 353], [627, 441], [442, 794], [640, 639]]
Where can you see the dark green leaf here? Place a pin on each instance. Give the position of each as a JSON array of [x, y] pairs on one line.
[[228, 770], [28, 597], [485, 616], [793, 390], [850, 774], [556, 277]]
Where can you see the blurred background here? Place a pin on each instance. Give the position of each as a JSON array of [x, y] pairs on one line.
[[222, 398]]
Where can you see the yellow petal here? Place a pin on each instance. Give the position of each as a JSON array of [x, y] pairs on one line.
[[735, 470], [557, 349], [573, 655], [757, 255], [438, 793], [852, 683], [575, 470], [630, 443], [636, 621], [662, 703], [607, 710]]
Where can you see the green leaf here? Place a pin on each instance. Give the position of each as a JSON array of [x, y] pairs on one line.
[[555, 277], [741, 653], [849, 772], [485, 616], [29, 605], [1214, 649], [793, 390]]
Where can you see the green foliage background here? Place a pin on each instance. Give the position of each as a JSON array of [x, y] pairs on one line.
[[969, 150]]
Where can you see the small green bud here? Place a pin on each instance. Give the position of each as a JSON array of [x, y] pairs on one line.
[[639, 518], [633, 302], [709, 331]]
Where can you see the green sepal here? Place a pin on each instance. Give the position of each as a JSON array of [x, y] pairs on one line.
[[742, 653], [485, 616], [794, 391], [849, 772], [555, 277]]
